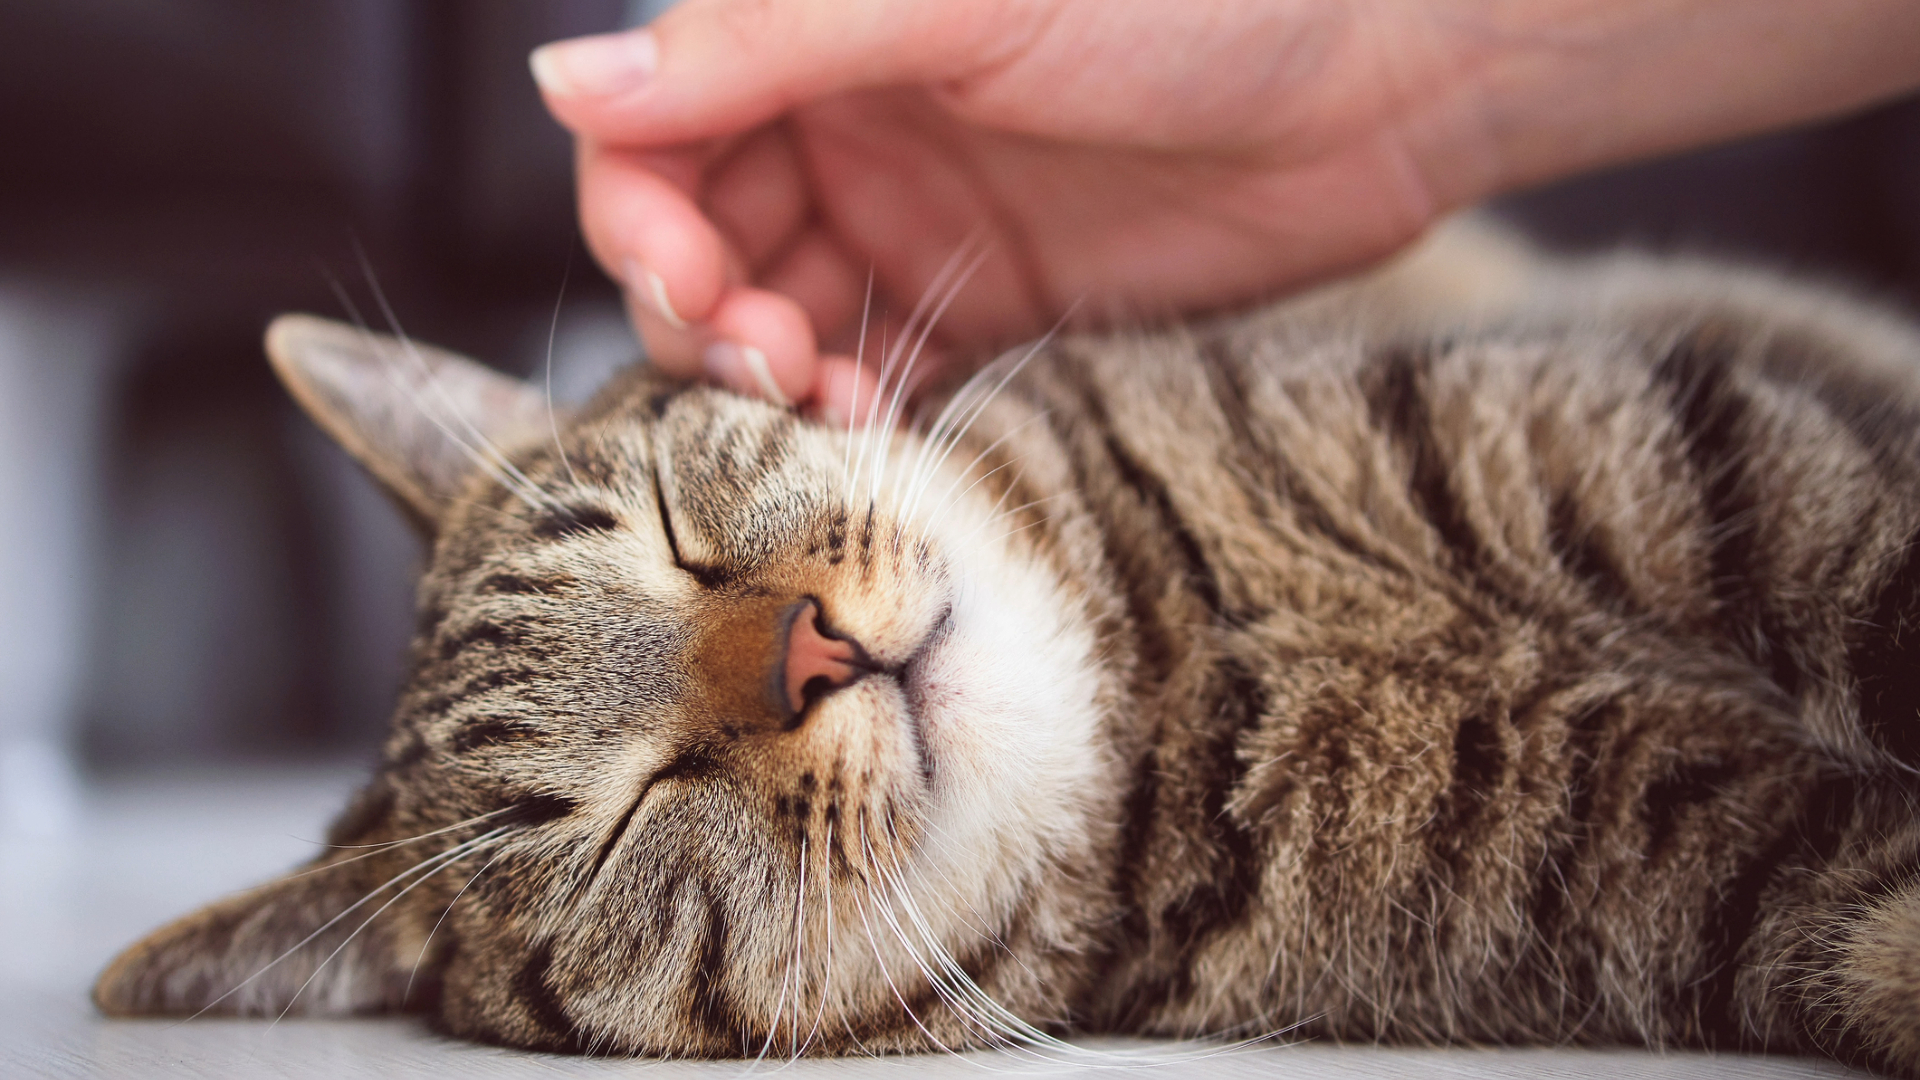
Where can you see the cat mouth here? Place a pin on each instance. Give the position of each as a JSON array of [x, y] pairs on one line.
[[911, 675]]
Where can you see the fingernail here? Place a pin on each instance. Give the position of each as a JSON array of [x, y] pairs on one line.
[[597, 66], [647, 285], [742, 368]]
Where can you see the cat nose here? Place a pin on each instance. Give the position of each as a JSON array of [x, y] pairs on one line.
[[815, 660]]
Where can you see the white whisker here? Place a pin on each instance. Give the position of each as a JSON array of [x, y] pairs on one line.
[[880, 960], [977, 410], [406, 389], [826, 973], [553, 332], [903, 380], [859, 358], [355, 906], [425, 945], [443, 860]]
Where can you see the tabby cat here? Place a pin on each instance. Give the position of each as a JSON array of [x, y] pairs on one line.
[[1494, 649]]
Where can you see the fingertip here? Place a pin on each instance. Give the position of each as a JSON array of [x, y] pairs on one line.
[[578, 72], [652, 237], [844, 392], [823, 281], [762, 345], [650, 290], [673, 350]]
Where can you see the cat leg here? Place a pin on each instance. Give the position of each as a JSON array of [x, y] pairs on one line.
[[1832, 962]]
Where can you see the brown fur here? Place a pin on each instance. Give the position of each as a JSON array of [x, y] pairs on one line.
[[1493, 650]]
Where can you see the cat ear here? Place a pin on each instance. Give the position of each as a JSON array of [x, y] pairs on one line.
[[419, 418], [290, 942]]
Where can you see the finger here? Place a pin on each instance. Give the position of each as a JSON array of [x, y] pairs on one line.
[[844, 392], [819, 277], [651, 238], [673, 349], [760, 344], [714, 66], [757, 197]]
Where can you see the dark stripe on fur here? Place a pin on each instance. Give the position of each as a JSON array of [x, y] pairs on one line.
[[1885, 660], [710, 1008], [409, 751], [1152, 490], [1128, 866], [569, 521], [1714, 416], [497, 635], [1153, 645], [1233, 878], [613, 838], [1394, 383], [516, 585], [1552, 911], [543, 1005], [499, 678], [1807, 842], [531, 811], [1880, 417], [1572, 543], [1223, 863], [1479, 767], [1227, 376], [1686, 785], [426, 621], [489, 731]]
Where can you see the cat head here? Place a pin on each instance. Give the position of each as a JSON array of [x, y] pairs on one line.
[[725, 733]]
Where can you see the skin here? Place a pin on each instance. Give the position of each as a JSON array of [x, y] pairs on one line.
[[751, 170]]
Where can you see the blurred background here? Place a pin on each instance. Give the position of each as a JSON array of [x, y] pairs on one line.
[[189, 572]]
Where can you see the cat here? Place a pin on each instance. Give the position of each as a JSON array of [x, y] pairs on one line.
[[1497, 648]]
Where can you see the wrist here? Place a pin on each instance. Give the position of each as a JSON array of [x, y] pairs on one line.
[[1547, 90]]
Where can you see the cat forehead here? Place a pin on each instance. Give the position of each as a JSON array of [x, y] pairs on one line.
[[646, 424]]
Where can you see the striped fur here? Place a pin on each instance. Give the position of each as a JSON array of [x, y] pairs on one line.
[[1493, 650]]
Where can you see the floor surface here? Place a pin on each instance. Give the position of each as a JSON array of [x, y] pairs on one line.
[[151, 848]]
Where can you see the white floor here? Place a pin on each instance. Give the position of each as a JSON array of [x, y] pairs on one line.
[[150, 849]]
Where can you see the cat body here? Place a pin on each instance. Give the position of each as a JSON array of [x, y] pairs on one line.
[[1494, 649]]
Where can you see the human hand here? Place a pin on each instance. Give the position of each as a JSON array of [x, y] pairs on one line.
[[745, 164]]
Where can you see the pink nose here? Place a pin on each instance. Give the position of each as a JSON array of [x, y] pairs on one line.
[[816, 663]]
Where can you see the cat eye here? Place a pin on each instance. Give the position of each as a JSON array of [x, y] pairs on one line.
[[568, 521], [711, 577]]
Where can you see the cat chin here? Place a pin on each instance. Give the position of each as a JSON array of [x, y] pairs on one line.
[[1006, 696]]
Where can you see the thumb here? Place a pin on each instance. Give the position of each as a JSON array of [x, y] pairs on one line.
[[714, 67]]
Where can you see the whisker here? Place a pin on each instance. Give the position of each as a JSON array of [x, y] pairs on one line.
[[979, 409], [553, 332], [483, 462], [495, 461], [946, 977], [904, 380], [424, 946], [867, 432], [949, 499], [477, 818], [773, 1028], [859, 358], [826, 973], [445, 859], [324, 927], [890, 359], [880, 960], [1014, 510]]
